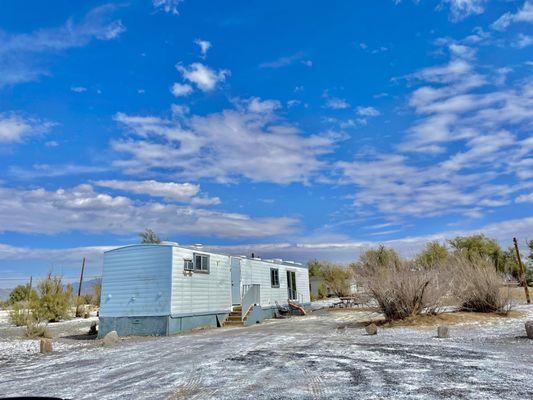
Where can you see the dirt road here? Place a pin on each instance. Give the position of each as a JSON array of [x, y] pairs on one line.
[[324, 355]]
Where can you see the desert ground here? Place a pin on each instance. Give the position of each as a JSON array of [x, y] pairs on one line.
[[326, 354]]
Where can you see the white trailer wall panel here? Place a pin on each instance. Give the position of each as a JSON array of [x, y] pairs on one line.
[[136, 281], [197, 292], [258, 272]]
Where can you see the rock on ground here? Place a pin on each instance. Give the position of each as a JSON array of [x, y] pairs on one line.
[[443, 331], [529, 329], [111, 339], [371, 329]]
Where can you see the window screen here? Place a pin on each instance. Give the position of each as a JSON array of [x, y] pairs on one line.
[[274, 277], [201, 262]]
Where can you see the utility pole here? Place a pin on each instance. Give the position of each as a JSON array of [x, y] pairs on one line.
[[28, 300], [522, 271], [78, 314]]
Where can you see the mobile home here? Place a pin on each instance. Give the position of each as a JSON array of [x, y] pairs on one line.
[[160, 289]]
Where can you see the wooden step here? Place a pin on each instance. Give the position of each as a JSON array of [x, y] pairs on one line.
[[237, 308], [235, 318], [233, 323]]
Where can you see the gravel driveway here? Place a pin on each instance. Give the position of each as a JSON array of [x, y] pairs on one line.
[[320, 356]]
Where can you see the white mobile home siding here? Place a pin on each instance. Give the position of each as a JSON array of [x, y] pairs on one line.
[[136, 281], [258, 272], [198, 293]]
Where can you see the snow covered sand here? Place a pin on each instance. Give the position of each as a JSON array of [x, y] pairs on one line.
[[323, 355]]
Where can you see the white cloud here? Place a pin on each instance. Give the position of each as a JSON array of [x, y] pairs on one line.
[[460, 9], [523, 41], [465, 119], [525, 14], [78, 89], [81, 208], [367, 111], [223, 146], [179, 89], [18, 61], [525, 198], [256, 105], [204, 46], [336, 103], [15, 128], [168, 6], [170, 191], [205, 78]]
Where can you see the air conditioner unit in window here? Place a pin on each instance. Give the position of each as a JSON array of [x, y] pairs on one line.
[[188, 265]]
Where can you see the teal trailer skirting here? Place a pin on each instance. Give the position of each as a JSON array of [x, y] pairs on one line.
[[133, 326], [168, 325], [158, 326]]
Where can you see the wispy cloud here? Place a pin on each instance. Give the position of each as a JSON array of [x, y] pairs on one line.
[[82, 208], [336, 103], [53, 171], [15, 127], [525, 14], [212, 146], [287, 60], [170, 191], [168, 6], [23, 57]]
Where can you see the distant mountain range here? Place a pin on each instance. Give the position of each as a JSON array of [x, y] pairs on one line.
[[4, 294]]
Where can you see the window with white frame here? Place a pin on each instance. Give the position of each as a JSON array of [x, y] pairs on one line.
[[201, 263], [274, 277]]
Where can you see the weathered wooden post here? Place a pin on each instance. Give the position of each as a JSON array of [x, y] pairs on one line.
[[45, 346], [522, 271], [78, 311]]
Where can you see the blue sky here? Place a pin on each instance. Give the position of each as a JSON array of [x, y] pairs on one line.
[[294, 129]]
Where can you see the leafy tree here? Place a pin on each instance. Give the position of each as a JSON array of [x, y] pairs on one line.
[[476, 246], [20, 293], [315, 268], [338, 279], [511, 263], [433, 254], [380, 257], [149, 236]]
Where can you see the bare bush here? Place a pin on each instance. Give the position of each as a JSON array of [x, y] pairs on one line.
[[34, 330], [19, 314], [402, 289], [477, 284]]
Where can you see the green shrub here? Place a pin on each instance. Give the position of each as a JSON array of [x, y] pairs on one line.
[[21, 293], [55, 300]]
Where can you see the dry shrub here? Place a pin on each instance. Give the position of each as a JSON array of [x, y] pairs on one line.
[[34, 330], [402, 289], [477, 284], [19, 314]]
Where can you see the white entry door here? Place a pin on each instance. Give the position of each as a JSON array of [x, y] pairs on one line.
[[235, 281]]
